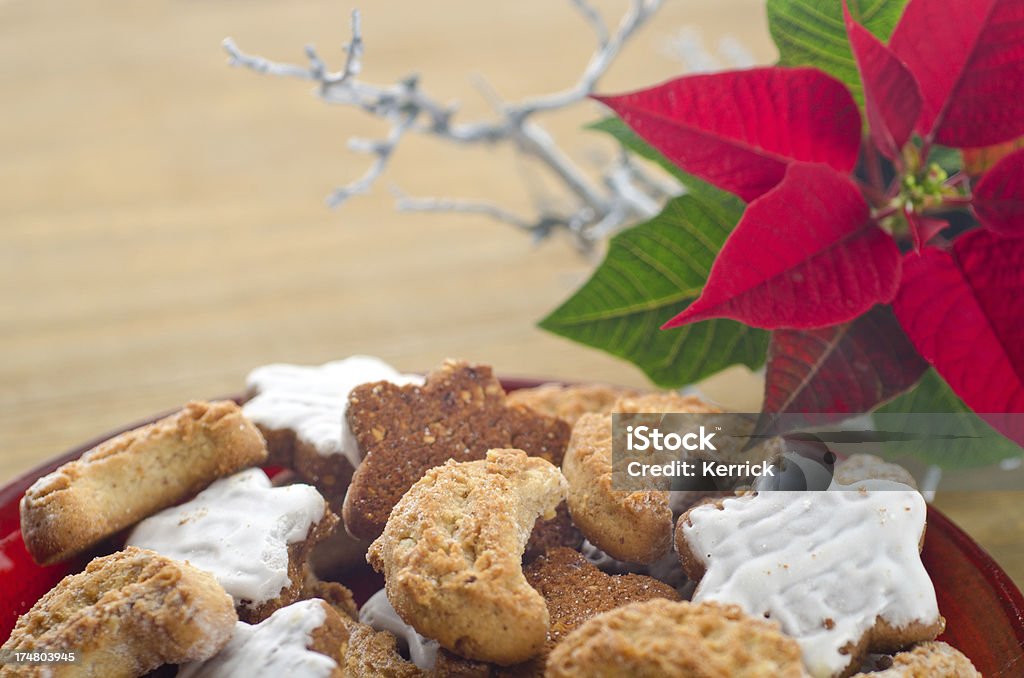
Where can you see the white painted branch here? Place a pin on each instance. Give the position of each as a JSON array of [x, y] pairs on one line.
[[626, 195]]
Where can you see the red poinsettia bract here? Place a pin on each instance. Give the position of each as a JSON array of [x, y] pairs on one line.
[[838, 224]]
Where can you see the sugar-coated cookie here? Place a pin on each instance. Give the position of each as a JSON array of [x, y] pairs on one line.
[[134, 475], [301, 412], [570, 402], [374, 654], [839, 570], [253, 537], [661, 638], [306, 639], [123, 616], [629, 525], [575, 590], [634, 526], [451, 555], [666, 569], [459, 414], [928, 660], [859, 467]]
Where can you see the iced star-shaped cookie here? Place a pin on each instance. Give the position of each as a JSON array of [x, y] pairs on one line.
[[252, 537], [301, 412], [839, 570]]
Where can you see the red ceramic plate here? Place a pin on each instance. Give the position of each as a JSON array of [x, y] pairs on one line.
[[984, 610]]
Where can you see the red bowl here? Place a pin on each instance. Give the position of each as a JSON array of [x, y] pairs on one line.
[[983, 608]]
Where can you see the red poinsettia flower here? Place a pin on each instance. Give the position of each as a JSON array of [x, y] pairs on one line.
[[841, 224]]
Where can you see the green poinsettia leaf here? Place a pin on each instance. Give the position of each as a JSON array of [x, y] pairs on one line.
[[959, 439], [813, 33], [651, 272]]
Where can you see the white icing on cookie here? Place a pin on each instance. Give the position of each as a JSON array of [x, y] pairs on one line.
[[238, 529], [378, 614], [812, 559], [277, 646], [312, 400]]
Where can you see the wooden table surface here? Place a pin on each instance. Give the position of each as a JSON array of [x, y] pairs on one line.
[[162, 218]]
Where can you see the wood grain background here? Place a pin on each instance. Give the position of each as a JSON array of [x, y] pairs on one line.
[[163, 230]]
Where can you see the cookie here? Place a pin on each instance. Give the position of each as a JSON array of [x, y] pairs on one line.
[[661, 638], [134, 475], [570, 402], [664, 402], [125, 615], [859, 467], [459, 414], [378, 614], [301, 412], [666, 569], [634, 526], [574, 591], [306, 639], [374, 654], [333, 593], [253, 537], [928, 660], [451, 555], [840, 570], [629, 525]]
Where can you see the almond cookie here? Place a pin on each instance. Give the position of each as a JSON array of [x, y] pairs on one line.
[[840, 570], [570, 402], [859, 467], [664, 402], [928, 660], [451, 555], [634, 526], [134, 475], [374, 654], [459, 414], [125, 615], [661, 638], [253, 537], [306, 639], [301, 412]]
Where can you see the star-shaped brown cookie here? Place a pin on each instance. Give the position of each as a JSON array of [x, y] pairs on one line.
[[403, 431]]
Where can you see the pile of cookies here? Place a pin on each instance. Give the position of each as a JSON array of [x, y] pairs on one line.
[[504, 546]]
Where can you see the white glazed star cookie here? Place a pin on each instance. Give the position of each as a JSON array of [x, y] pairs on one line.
[[840, 570], [251, 536], [301, 412]]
